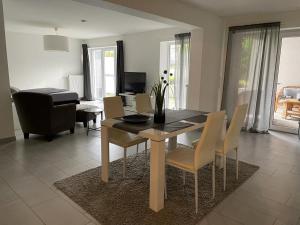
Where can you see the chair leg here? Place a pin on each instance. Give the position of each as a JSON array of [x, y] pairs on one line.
[[124, 162], [196, 191], [237, 164], [214, 179], [49, 137], [146, 147], [224, 172], [137, 148], [183, 176], [166, 193], [146, 154], [26, 135]]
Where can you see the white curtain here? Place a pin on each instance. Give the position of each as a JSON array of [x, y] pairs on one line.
[[182, 61], [250, 72], [96, 72]]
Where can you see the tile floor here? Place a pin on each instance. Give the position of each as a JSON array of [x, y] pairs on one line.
[[29, 168]]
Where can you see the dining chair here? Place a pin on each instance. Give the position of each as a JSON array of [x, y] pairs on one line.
[[191, 160], [231, 139], [143, 103], [113, 107]]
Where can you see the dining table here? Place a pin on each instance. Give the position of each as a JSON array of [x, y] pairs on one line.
[[176, 122]]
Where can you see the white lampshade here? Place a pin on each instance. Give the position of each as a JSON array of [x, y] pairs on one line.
[[56, 43]]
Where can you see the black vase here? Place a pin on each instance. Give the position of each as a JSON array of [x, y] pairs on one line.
[[159, 113]]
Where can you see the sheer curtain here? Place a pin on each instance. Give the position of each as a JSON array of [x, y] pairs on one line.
[[250, 72], [96, 73], [182, 61]]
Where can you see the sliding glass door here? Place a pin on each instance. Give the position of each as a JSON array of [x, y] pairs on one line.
[[103, 71], [286, 98], [174, 57], [167, 62]]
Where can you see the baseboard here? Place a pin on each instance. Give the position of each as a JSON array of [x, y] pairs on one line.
[[7, 140]]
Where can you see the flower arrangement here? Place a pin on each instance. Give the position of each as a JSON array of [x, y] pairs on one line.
[[159, 90]]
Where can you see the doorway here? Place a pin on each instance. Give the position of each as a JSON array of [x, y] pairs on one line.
[[285, 115], [103, 71]]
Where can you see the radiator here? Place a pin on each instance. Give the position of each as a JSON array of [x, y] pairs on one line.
[[76, 84]]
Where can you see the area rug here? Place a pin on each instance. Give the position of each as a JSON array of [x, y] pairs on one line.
[[125, 201]]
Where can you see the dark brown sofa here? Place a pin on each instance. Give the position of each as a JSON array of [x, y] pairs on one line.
[[46, 111]]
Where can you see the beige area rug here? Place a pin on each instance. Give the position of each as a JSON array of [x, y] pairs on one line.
[[125, 201]]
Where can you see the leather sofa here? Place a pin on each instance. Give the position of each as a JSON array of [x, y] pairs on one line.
[[46, 111]]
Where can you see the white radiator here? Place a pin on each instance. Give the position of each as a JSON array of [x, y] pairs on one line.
[[76, 84]]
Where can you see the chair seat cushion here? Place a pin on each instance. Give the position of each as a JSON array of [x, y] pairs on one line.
[[124, 139], [181, 157]]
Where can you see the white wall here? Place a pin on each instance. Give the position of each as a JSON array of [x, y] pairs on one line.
[[32, 67], [208, 66], [142, 54], [6, 119], [289, 22], [287, 19], [289, 67], [141, 50]]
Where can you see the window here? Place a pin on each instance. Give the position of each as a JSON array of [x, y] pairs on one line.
[[167, 62], [103, 71]]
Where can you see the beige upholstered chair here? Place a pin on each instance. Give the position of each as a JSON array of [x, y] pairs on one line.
[[113, 107], [143, 103], [231, 139], [204, 152]]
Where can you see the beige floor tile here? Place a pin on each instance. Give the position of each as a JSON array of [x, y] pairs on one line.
[[7, 195], [59, 212], [294, 201], [272, 194], [32, 190], [218, 219], [264, 205], [14, 172], [246, 215], [267, 190], [17, 213], [50, 174]]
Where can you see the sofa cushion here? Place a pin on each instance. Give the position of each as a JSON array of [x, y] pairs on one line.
[[290, 92], [58, 96]]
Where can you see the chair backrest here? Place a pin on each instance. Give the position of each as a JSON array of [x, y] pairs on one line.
[[232, 135], [113, 107], [143, 103], [206, 147]]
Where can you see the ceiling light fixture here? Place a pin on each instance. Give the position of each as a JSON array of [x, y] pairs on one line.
[[56, 42]]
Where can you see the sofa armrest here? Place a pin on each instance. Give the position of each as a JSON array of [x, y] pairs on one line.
[[63, 117]]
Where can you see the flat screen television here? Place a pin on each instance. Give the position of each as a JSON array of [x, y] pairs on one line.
[[135, 82]]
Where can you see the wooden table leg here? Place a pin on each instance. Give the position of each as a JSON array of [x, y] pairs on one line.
[[172, 144], [104, 154], [157, 175]]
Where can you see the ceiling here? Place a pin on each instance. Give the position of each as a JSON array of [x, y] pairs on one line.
[[41, 16], [243, 7]]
